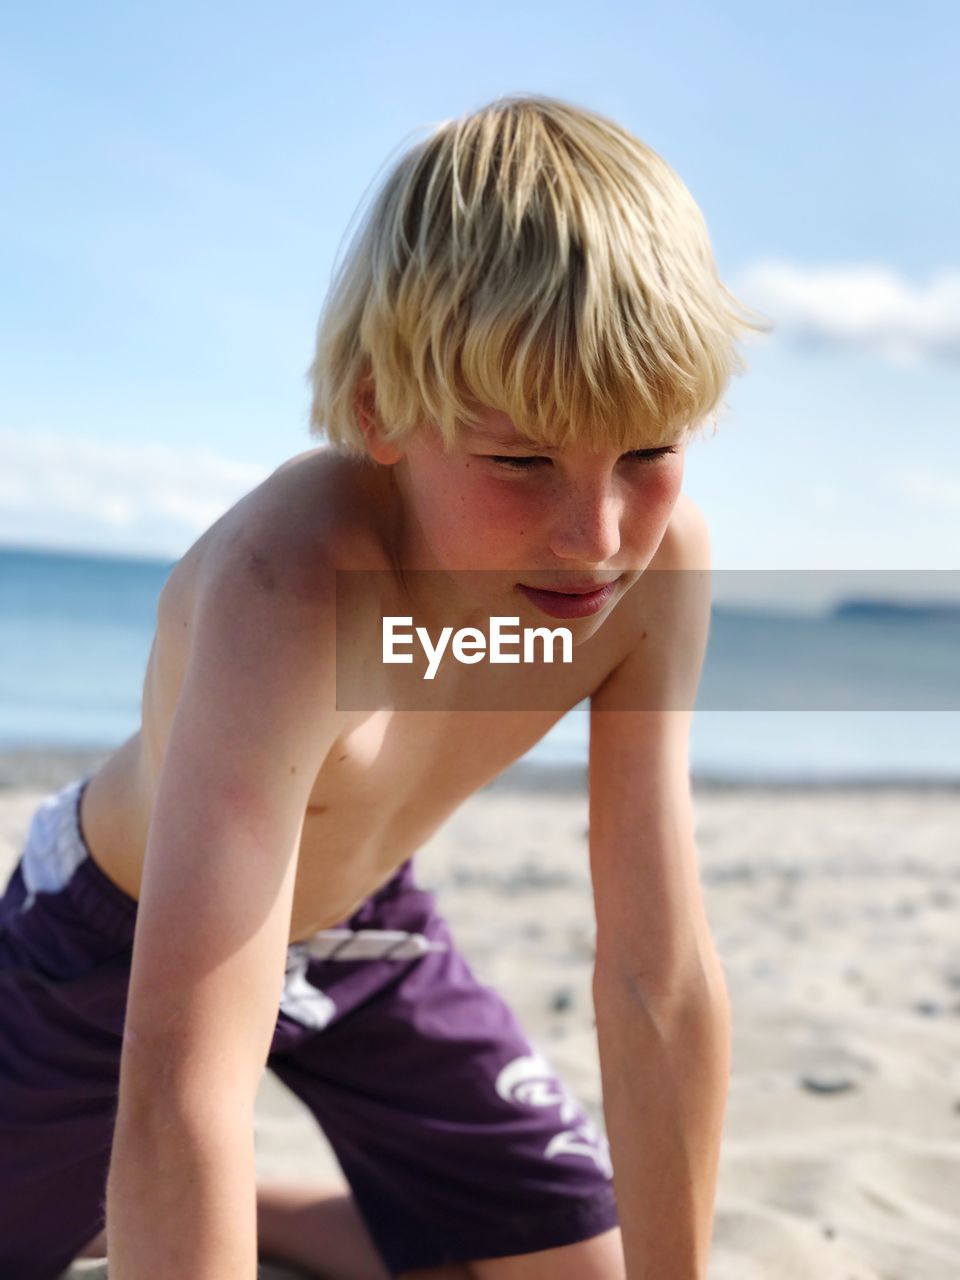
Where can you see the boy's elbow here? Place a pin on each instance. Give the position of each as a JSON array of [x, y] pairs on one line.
[[161, 1121], [161, 1088], [699, 978]]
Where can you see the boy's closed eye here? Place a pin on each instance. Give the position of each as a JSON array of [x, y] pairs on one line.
[[528, 462]]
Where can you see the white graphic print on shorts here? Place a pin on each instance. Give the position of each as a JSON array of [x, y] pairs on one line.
[[53, 850], [301, 1000], [305, 1002], [532, 1081]]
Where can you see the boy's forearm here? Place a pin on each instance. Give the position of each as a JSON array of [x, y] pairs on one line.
[[665, 1066], [181, 1197]]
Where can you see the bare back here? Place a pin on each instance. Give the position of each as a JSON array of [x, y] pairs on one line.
[[392, 777]]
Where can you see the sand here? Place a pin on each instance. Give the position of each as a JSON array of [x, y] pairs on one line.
[[835, 914]]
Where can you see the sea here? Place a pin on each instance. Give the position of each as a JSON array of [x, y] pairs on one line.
[[862, 693]]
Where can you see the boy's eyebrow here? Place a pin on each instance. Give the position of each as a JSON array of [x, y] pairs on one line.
[[513, 439]]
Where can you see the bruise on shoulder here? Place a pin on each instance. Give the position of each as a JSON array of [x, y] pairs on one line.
[[261, 567]]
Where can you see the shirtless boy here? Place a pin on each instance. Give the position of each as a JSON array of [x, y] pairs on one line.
[[522, 339]]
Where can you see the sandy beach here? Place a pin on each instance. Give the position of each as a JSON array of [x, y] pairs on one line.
[[835, 914]]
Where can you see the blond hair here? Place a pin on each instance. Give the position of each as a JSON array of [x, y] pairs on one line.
[[536, 258]]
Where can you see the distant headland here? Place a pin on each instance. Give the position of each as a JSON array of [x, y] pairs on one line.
[[894, 610]]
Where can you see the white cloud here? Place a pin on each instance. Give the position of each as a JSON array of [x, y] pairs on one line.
[[58, 490], [867, 305], [929, 487]]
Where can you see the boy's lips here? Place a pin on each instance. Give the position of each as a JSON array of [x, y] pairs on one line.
[[570, 602], [570, 589]]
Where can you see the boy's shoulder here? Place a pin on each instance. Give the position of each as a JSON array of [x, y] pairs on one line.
[[686, 541], [317, 512], [271, 558], [323, 507], [665, 623]]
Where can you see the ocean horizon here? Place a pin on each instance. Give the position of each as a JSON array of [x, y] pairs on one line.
[[783, 698]]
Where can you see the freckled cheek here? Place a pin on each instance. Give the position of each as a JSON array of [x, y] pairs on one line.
[[496, 505], [450, 511], [509, 511], [491, 524], [648, 510], [664, 490]]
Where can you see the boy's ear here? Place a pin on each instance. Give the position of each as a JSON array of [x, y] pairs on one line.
[[365, 407]]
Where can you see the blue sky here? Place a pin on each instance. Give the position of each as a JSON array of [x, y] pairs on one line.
[[179, 179]]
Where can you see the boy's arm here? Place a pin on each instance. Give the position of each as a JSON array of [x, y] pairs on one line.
[[663, 1021], [252, 726]]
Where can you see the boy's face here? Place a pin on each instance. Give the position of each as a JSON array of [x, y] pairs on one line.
[[530, 517]]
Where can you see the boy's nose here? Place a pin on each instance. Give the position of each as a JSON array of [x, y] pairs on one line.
[[587, 529]]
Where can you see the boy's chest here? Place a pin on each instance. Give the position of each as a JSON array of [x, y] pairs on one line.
[[441, 736], [393, 778]]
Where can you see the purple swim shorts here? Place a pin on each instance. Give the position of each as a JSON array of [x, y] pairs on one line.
[[457, 1138]]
